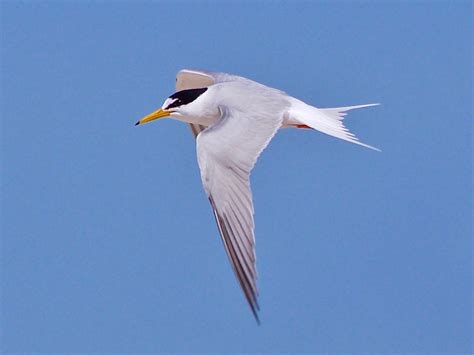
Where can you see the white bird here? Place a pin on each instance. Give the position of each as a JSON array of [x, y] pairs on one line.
[[233, 120]]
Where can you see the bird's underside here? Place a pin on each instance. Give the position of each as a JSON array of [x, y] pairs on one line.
[[228, 150]]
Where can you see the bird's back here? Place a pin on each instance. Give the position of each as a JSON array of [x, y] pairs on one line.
[[245, 95]]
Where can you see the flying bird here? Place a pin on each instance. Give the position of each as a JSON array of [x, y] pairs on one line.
[[233, 119]]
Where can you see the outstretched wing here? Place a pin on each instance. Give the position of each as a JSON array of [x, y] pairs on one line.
[[227, 152], [195, 79]]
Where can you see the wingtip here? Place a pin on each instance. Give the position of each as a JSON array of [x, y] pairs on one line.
[[257, 319], [370, 105], [374, 148], [255, 308]]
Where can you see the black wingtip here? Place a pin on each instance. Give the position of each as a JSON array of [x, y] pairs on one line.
[[257, 319], [136, 124], [255, 308]]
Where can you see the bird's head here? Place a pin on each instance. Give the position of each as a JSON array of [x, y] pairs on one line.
[[177, 105]]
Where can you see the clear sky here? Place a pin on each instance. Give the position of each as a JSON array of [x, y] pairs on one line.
[[108, 240]]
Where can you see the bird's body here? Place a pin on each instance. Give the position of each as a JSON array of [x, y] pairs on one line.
[[233, 119], [238, 95]]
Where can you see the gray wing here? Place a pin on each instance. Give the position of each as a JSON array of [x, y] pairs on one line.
[[194, 79], [227, 152]]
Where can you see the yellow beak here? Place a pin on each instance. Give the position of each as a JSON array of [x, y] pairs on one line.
[[154, 116]]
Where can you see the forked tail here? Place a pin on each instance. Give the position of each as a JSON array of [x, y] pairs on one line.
[[325, 120]]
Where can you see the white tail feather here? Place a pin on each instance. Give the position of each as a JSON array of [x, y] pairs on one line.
[[326, 120]]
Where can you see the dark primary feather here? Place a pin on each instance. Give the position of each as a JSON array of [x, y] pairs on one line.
[[229, 241]]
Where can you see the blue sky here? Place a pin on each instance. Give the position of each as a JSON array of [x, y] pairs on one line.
[[108, 241]]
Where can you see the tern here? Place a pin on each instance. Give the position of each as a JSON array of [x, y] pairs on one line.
[[233, 119]]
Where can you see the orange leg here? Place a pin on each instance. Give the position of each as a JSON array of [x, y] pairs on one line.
[[302, 126]]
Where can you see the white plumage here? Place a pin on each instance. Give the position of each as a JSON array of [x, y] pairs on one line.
[[234, 119]]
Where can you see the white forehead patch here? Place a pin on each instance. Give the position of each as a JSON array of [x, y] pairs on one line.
[[168, 102]]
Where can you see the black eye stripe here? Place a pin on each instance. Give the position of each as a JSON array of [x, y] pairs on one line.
[[184, 97]]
